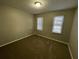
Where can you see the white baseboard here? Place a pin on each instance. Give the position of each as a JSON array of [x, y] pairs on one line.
[[14, 40], [53, 39], [41, 36], [70, 52], [60, 42]]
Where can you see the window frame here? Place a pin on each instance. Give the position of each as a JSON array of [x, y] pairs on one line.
[[38, 25], [61, 25]]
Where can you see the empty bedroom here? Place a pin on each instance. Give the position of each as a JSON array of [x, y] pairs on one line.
[[38, 29]]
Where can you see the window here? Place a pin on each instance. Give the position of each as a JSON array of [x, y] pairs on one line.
[[40, 23], [57, 24]]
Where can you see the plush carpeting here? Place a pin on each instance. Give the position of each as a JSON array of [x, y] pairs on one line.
[[35, 47]]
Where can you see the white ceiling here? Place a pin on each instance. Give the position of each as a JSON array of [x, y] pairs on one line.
[[47, 5]]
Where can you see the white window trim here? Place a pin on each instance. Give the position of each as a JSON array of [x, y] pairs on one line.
[[41, 28], [61, 25]]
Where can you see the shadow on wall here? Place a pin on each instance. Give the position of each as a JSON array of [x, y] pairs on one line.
[[74, 37]]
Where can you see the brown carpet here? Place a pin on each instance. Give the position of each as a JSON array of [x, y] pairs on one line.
[[35, 47]]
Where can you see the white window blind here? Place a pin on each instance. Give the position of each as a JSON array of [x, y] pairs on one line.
[[57, 24], [40, 23]]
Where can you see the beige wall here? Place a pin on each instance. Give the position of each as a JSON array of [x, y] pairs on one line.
[[48, 20], [74, 37], [14, 24]]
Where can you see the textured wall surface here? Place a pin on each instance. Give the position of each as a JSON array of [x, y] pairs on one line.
[[14, 24]]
